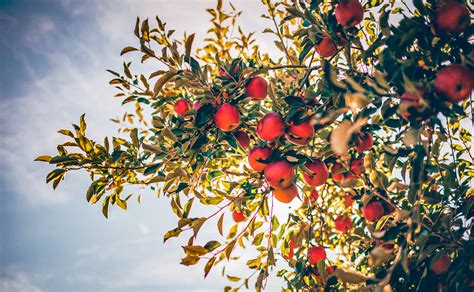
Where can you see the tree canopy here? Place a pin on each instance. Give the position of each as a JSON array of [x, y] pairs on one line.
[[363, 123]]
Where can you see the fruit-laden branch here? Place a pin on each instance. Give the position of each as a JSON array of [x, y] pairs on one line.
[[362, 119]]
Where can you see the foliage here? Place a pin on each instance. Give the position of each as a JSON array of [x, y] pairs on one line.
[[420, 168]]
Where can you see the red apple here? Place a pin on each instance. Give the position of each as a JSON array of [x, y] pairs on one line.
[[257, 155], [316, 254], [242, 138], [441, 265], [238, 216], [455, 82], [313, 196], [348, 200], [349, 13], [279, 174], [320, 174], [373, 211], [270, 127], [326, 48], [181, 106], [452, 17], [364, 141], [357, 166], [257, 88], [286, 195], [337, 172], [227, 117], [343, 223], [300, 134]]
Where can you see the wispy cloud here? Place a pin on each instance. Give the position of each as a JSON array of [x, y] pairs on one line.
[[11, 281]]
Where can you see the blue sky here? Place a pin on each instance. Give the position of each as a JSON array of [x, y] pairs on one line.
[[54, 56]]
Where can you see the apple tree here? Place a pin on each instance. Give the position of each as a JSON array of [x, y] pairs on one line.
[[363, 123]]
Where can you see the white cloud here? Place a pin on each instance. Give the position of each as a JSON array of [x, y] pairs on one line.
[[17, 282]]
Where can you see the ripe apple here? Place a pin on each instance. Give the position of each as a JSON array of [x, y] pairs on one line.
[[238, 216], [286, 195], [455, 82], [343, 223], [320, 175], [181, 106], [357, 166], [326, 48], [227, 117], [257, 88], [441, 265], [364, 141], [242, 138], [337, 172], [279, 174], [452, 17], [373, 211], [349, 13], [270, 127], [313, 196], [256, 155], [300, 134], [316, 254]]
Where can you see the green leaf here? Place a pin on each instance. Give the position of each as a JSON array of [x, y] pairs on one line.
[[188, 44], [194, 250], [208, 266], [294, 101], [54, 174], [121, 203], [105, 207], [66, 132], [61, 159], [212, 245], [83, 123], [204, 114], [229, 248], [127, 50], [151, 169], [161, 82], [197, 224], [219, 224], [171, 233], [45, 158], [190, 260]]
